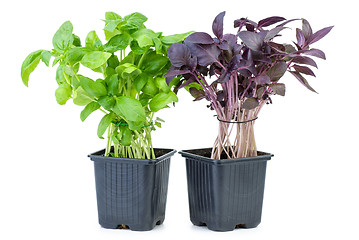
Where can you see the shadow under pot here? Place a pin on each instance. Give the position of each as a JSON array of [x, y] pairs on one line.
[[131, 193], [225, 194]]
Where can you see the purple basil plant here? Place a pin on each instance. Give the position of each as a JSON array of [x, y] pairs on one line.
[[244, 69]]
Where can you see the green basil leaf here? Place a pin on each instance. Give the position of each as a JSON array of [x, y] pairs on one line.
[[93, 42], [103, 125], [95, 59], [76, 54], [60, 74], [158, 46], [107, 102], [150, 88], [175, 38], [111, 25], [45, 57], [112, 16], [63, 93], [95, 89], [153, 63], [126, 136], [161, 100], [81, 97], [140, 81], [63, 38], [77, 41], [128, 70], [136, 48], [112, 84], [133, 21], [118, 42], [113, 61], [144, 37], [110, 71], [144, 99], [162, 84], [131, 110], [29, 65], [90, 108]]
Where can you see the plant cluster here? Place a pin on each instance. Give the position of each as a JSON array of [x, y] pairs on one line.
[[246, 67], [132, 87]]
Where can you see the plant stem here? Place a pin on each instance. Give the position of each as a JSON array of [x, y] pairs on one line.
[[109, 137], [142, 58]]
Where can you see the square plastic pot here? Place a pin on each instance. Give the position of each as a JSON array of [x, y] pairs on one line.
[[225, 194], [131, 193]]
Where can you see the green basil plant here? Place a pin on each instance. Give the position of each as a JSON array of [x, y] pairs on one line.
[[133, 63]]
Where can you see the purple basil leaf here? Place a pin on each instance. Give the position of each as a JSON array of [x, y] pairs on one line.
[[192, 63], [234, 63], [300, 37], [273, 33], [262, 79], [231, 40], [304, 70], [217, 26], [278, 88], [202, 70], [206, 54], [270, 21], [176, 72], [277, 47], [252, 40], [238, 22], [179, 54], [277, 71], [197, 94], [289, 48], [306, 29], [169, 79], [250, 25], [263, 34], [288, 21], [187, 82], [302, 80], [298, 47], [304, 60], [229, 43], [199, 37], [314, 52], [224, 45], [225, 77], [319, 35], [245, 72], [250, 103]]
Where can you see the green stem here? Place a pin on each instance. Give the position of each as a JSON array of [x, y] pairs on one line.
[[142, 58], [144, 145], [108, 146]]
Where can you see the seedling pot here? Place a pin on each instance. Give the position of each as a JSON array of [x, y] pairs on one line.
[[225, 194], [131, 193]]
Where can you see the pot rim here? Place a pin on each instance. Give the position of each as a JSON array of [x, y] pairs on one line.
[[262, 156], [99, 156]]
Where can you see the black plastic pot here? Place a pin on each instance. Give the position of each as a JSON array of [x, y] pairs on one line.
[[225, 194], [131, 193]]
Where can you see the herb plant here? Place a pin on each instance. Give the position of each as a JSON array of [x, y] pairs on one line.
[[246, 68], [132, 87]]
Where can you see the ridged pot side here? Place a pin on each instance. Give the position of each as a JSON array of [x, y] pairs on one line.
[[131, 192], [225, 194]]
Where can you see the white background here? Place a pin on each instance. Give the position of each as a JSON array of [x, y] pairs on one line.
[[46, 180]]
